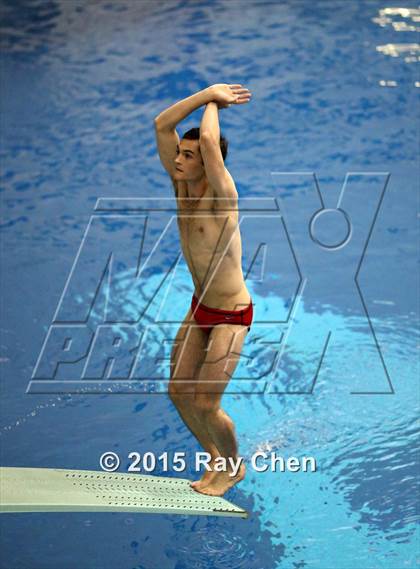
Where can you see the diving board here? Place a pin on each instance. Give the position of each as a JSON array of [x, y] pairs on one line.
[[61, 490]]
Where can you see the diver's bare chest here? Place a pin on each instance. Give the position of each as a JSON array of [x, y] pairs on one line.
[[202, 225], [196, 228]]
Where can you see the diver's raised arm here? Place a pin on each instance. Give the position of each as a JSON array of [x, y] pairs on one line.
[[170, 117], [210, 142], [223, 94]]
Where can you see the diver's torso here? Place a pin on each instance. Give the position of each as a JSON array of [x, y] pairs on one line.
[[211, 244]]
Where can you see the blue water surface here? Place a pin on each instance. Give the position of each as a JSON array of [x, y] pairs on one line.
[[330, 368]]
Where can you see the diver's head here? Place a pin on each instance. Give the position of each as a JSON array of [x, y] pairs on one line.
[[189, 162]]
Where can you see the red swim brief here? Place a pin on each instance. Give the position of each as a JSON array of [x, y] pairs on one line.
[[207, 317]]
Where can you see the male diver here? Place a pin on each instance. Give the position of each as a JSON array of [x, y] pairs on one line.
[[209, 341]]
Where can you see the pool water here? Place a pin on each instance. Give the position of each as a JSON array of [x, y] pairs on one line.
[[330, 367]]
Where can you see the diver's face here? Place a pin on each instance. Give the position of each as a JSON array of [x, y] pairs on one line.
[[188, 161]]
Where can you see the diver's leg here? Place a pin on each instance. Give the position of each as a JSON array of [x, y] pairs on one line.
[[187, 354], [222, 356]]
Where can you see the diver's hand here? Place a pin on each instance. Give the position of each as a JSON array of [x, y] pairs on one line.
[[226, 95]]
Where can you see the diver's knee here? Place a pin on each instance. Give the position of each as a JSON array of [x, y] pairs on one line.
[[178, 396], [205, 405]]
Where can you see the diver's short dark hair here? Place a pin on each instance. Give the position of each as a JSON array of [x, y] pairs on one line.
[[194, 134]]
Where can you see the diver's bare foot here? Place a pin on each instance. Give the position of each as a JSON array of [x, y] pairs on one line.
[[205, 479], [221, 482]]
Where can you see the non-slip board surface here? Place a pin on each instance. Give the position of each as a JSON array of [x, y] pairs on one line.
[[60, 490]]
